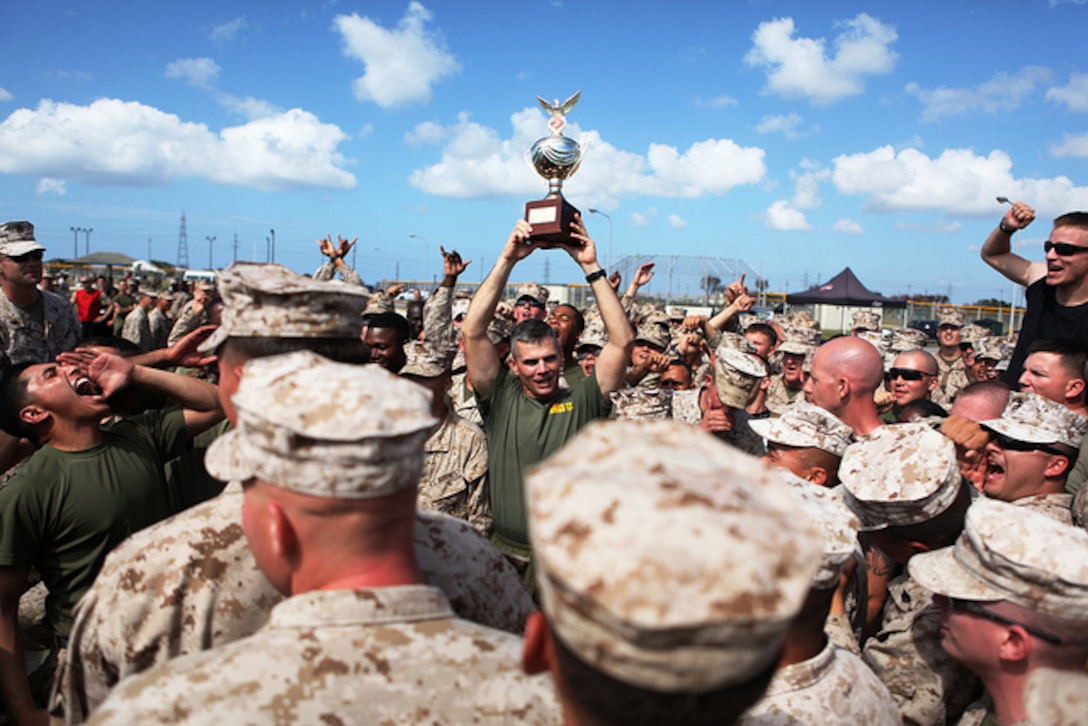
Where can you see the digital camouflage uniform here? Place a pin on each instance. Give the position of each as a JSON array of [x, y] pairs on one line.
[[25, 340], [190, 583], [641, 403], [186, 322], [137, 329], [328, 269], [951, 379], [160, 328], [394, 655], [1057, 506], [454, 479], [928, 685], [833, 688]]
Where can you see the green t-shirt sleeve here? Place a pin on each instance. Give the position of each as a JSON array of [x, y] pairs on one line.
[[164, 430], [22, 521]]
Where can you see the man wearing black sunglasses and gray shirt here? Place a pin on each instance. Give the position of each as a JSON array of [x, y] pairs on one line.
[[35, 325], [1057, 289]]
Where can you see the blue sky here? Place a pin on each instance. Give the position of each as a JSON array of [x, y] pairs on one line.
[[799, 136]]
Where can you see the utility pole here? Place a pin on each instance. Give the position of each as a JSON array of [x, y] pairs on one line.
[[211, 243], [273, 233], [75, 235], [87, 232], [183, 245], [149, 249], [235, 246]]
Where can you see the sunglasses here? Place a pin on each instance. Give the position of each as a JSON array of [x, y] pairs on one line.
[[1014, 445], [35, 255], [974, 608], [1063, 249], [530, 302], [907, 374]]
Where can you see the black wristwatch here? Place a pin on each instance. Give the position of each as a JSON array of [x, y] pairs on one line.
[[595, 275], [1005, 228]]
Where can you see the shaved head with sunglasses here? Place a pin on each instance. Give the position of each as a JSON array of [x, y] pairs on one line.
[[1006, 609], [35, 325], [913, 377], [1057, 286]]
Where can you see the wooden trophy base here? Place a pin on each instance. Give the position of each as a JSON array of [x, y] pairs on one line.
[[551, 218]]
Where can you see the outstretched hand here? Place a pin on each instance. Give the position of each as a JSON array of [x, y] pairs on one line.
[[344, 246], [520, 244], [184, 352], [452, 265], [109, 371], [581, 247], [1019, 216], [735, 289], [644, 274]]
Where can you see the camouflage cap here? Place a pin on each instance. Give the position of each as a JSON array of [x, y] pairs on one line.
[[907, 339], [459, 308], [694, 607], [533, 290], [657, 317], [17, 238], [499, 330], [677, 313], [798, 341], [865, 320], [803, 319], [747, 320], [876, 339], [325, 429], [592, 337], [654, 335], [805, 425], [378, 303], [1056, 698], [735, 374], [1014, 554], [1030, 417], [833, 520], [900, 475], [206, 285], [271, 301], [950, 316], [427, 359], [988, 349], [974, 333]]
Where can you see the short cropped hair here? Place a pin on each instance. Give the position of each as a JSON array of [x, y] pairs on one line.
[[394, 321], [13, 397], [1073, 354], [531, 332], [1072, 219], [765, 329]]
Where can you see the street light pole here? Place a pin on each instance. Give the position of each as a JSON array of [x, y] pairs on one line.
[[608, 267], [75, 240], [87, 233], [211, 242]]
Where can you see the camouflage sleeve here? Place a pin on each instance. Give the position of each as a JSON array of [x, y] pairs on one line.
[[187, 322], [349, 275], [326, 272], [479, 503], [630, 306], [438, 316], [1079, 473]]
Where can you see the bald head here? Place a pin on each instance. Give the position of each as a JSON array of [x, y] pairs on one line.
[[854, 359], [981, 401]]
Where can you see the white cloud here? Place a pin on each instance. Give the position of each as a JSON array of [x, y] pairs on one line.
[[807, 187], [225, 33], [427, 133], [5, 95], [1056, 3], [677, 222], [401, 64], [478, 162], [848, 226], [51, 186], [248, 107], [802, 68], [957, 182], [641, 219], [1072, 145], [199, 72], [787, 125], [113, 142], [1003, 92], [1074, 95], [782, 216], [716, 102]]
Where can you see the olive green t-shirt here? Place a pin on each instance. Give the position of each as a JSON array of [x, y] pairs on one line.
[[66, 510], [522, 431]]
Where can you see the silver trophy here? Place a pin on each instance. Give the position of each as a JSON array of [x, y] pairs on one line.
[[555, 158]]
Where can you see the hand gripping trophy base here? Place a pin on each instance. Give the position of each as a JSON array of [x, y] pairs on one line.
[[551, 218]]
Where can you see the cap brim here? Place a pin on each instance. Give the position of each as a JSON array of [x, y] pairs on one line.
[[225, 460], [214, 340], [940, 572], [1020, 432]]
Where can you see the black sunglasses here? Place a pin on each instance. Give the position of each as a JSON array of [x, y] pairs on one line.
[[35, 255], [1063, 249], [907, 374], [970, 606], [1014, 445], [530, 302]]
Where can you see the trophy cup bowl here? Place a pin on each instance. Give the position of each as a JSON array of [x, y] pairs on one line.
[[555, 158]]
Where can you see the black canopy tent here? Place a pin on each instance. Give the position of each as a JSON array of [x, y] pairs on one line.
[[844, 290]]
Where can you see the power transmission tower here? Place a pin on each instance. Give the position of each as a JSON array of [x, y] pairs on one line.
[[183, 245], [547, 271]]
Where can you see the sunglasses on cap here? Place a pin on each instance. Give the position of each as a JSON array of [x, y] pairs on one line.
[[1063, 249], [33, 255], [907, 374], [530, 302], [1009, 444], [974, 608]]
